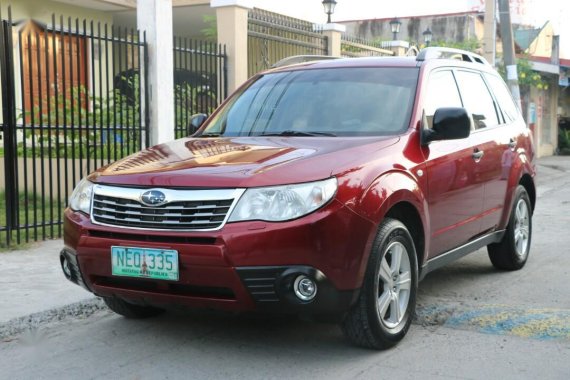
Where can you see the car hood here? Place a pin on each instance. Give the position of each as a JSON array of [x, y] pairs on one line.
[[239, 161]]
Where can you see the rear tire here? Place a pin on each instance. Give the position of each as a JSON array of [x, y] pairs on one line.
[[512, 252], [129, 310], [383, 313]]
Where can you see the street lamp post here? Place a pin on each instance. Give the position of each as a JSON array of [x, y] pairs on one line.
[[427, 36], [329, 8], [395, 27]]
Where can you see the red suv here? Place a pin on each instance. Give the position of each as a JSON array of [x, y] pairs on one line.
[[325, 188]]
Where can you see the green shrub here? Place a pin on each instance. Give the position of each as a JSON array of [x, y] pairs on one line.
[[564, 142]]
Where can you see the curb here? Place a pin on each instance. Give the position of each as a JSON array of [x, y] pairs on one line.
[[33, 322]]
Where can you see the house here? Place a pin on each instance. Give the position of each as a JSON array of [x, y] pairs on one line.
[[541, 98], [61, 117], [61, 48], [457, 27]]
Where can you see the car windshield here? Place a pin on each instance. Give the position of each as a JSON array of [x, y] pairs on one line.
[[321, 102]]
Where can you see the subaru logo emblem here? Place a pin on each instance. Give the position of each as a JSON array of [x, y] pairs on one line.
[[153, 198]]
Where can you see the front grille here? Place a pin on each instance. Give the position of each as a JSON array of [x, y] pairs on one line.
[[177, 215]]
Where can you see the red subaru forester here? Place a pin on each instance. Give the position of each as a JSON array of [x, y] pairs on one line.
[[323, 188]]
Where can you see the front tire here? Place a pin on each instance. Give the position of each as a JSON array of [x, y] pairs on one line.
[[512, 252], [383, 313], [129, 310]]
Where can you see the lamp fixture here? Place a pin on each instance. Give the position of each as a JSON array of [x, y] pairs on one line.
[[329, 6], [427, 36], [395, 27]]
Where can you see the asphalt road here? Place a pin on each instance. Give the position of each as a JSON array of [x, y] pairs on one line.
[[473, 323]]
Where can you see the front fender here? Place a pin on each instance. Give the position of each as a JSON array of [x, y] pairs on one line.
[[388, 190], [383, 194]]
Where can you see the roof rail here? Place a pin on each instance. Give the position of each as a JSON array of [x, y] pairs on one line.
[[301, 59], [450, 53]]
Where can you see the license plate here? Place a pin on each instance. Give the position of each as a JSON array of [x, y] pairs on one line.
[[159, 264]]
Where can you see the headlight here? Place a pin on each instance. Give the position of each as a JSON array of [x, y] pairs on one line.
[[281, 203], [80, 199]]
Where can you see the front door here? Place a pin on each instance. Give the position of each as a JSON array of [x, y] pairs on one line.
[[493, 139], [455, 186]]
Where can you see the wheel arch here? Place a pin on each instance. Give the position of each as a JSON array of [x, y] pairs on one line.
[[527, 182], [397, 195], [406, 213], [522, 173]]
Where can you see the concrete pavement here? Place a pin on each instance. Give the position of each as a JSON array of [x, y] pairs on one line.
[[31, 281]]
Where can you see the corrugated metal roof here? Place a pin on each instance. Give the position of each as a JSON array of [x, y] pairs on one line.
[[525, 37]]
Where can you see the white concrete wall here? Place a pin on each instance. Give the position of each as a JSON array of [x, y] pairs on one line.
[[155, 17]]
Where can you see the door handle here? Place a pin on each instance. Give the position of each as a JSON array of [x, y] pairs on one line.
[[512, 143], [477, 155]]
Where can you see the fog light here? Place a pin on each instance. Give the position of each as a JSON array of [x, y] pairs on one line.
[[305, 288]]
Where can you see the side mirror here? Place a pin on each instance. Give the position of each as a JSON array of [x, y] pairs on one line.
[[196, 122], [448, 124]]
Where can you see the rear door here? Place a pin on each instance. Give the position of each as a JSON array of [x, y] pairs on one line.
[[511, 136], [455, 188]]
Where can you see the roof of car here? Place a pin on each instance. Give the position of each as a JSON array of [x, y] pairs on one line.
[[353, 62], [434, 55]]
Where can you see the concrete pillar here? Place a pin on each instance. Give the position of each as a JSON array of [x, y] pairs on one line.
[[155, 17], [489, 37], [334, 35], [231, 18], [400, 48]]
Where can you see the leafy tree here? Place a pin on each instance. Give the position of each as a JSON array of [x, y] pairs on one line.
[[472, 45], [211, 31], [527, 76]]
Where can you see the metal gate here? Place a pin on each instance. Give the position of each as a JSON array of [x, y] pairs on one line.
[[200, 80], [73, 100], [272, 37]]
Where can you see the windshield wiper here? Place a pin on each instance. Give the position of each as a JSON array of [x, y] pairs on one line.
[[298, 133], [210, 135]]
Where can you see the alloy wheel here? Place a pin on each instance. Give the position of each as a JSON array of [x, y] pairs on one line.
[[522, 228], [395, 281]]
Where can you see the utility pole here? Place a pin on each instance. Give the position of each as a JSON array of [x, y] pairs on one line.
[[509, 50], [490, 34]]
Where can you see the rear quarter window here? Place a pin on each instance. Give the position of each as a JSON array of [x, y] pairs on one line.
[[507, 106]]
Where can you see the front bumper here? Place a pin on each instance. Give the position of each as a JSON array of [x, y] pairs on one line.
[[244, 266]]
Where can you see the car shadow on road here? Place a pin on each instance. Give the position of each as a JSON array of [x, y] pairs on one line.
[[247, 335], [291, 333], [259, 336]]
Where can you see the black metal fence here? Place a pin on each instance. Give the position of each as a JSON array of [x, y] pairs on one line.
[[200, 80], [358, 47], [73, 99], [272, 37]]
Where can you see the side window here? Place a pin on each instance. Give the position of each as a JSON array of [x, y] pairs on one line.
[[477, 99], [442, 92], [503, 95]]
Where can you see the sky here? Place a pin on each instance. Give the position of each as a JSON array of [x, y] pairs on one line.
[[531, 12]]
